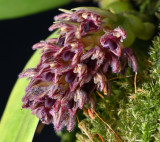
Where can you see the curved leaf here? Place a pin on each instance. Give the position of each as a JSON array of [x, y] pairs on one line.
[[18, 125], [18, 8]]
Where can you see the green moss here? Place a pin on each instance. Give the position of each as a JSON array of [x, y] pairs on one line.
[[134, 117]]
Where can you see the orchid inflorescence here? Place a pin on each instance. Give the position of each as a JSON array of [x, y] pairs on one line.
[[74, 65]]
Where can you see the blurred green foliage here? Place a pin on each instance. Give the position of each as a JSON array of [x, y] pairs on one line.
[[19, 8]]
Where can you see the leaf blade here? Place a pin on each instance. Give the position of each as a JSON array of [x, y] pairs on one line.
[[19, 8], [19, 125]]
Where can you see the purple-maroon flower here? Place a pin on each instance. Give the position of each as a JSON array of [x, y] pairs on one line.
[[74, 65], [112, 40]]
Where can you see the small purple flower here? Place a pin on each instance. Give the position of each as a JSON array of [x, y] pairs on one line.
[[112, 40], [74, 65], [128, 59]]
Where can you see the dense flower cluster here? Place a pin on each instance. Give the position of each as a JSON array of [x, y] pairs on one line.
[[73, 65]]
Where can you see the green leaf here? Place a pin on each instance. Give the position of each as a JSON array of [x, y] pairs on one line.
[[18, 8], [119, 6], [17, 124], [148, 31], [136, 23]]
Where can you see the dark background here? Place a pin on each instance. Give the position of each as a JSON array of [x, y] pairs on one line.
[[16, 39]]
